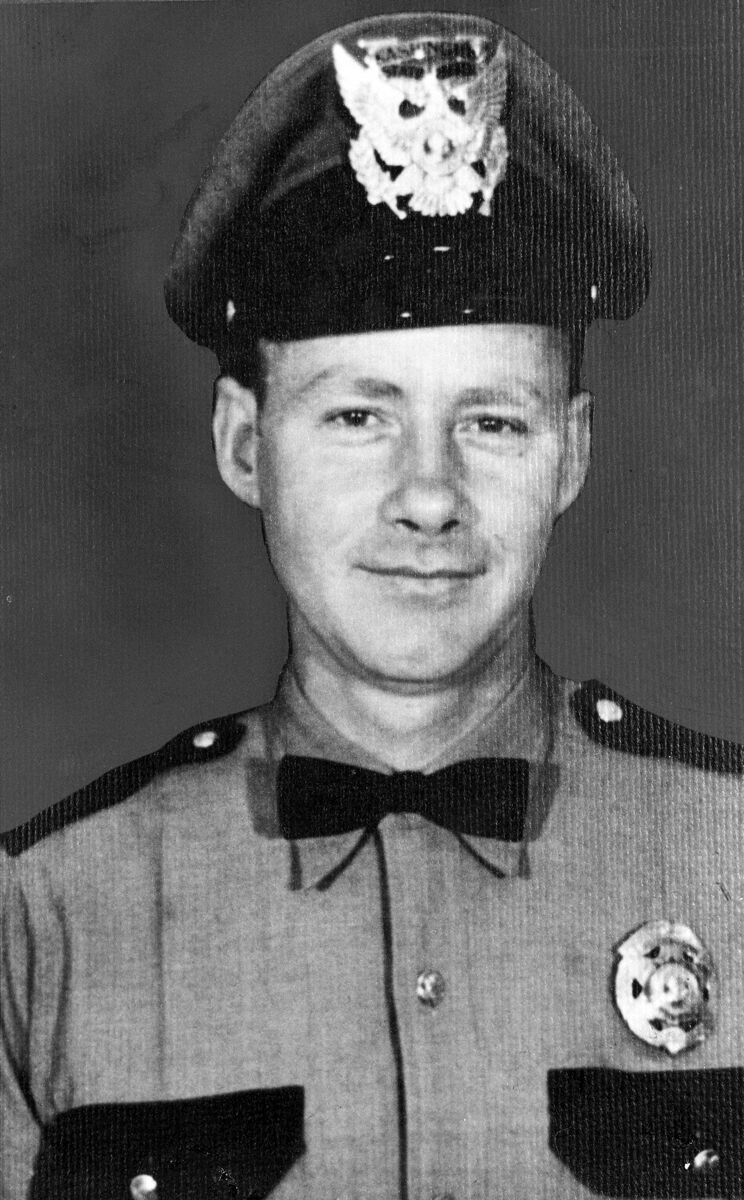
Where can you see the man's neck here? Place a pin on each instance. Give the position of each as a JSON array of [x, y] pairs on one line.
[[401, 729]]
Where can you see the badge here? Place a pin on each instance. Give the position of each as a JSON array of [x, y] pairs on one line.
[[663, 986], [430, 111]]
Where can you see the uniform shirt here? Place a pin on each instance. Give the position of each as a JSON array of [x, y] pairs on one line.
[[176, 947]]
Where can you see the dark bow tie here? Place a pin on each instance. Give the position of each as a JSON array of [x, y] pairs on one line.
[[482, 797]]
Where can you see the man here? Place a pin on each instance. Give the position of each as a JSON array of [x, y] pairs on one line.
[[434, 922]]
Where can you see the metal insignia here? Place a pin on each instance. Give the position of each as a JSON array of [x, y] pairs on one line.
[[663, 986], [430, 112]]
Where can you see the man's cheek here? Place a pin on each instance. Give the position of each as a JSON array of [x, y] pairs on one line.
[[284, 538], [512, 517]]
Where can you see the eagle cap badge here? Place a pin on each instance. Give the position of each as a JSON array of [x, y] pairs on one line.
[[663, 986], [430, 112]]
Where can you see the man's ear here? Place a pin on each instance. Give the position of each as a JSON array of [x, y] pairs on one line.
[[578, 448], [235, 436]]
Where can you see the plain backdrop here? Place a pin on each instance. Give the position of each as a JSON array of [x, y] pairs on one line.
[[135, 595]]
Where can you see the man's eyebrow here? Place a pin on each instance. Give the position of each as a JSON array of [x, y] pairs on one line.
[[515, 389], [319, 377], [376, 388], [369, 387]]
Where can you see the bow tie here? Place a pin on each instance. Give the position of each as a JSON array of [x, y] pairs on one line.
[[482, 797]]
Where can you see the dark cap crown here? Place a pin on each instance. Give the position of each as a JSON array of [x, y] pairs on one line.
[[407, 170]]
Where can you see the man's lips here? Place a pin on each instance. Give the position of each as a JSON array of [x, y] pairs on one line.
[[437, 586], [424, 573]]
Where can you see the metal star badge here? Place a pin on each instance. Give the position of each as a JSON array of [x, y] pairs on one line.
[[430, 113], [663, 986]]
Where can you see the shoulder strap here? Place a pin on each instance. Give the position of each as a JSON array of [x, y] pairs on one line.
[[200, 744], [611, 721]]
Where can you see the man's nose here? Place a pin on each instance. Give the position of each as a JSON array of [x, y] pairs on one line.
[[427, 496]]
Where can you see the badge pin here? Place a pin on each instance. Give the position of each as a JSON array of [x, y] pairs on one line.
[[431, 113], [663, 986]]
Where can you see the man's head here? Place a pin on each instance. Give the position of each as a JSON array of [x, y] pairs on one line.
[[395, 255], [409, 481]]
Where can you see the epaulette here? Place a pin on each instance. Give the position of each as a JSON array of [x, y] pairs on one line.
[[610, 720], [200, 744]]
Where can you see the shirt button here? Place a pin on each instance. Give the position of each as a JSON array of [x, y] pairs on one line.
[[143, 1187], [430, 988]]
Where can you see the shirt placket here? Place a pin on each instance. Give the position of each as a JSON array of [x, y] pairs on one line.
[[445, 1084]]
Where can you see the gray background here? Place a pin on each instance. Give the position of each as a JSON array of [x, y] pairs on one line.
[[135, 597]]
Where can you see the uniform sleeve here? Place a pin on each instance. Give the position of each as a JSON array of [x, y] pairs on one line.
[[19, 1128]]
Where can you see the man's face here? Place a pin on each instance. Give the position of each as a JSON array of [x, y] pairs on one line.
[[409, 482]]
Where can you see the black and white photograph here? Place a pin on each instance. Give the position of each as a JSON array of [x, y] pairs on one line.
[[372, 584]]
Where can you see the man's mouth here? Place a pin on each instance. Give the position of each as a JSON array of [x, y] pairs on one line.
[[426, 573], [431, 585]]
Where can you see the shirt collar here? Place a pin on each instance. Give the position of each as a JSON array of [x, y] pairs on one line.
[[520, 726]]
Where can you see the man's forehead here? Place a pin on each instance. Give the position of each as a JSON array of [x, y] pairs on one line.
[[457, 358]]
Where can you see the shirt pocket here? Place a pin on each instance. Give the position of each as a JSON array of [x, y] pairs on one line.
[[236, 1145], [650, 1133]]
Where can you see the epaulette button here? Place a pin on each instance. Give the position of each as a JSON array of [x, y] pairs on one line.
[[608, 711], [143, 1187], [705, 1161], [205, 739]]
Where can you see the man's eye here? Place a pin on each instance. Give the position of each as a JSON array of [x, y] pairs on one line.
[[506, 426], [353, 418]]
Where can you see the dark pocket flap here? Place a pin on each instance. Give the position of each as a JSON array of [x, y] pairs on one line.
[[237, 1145], [652, 1134]]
